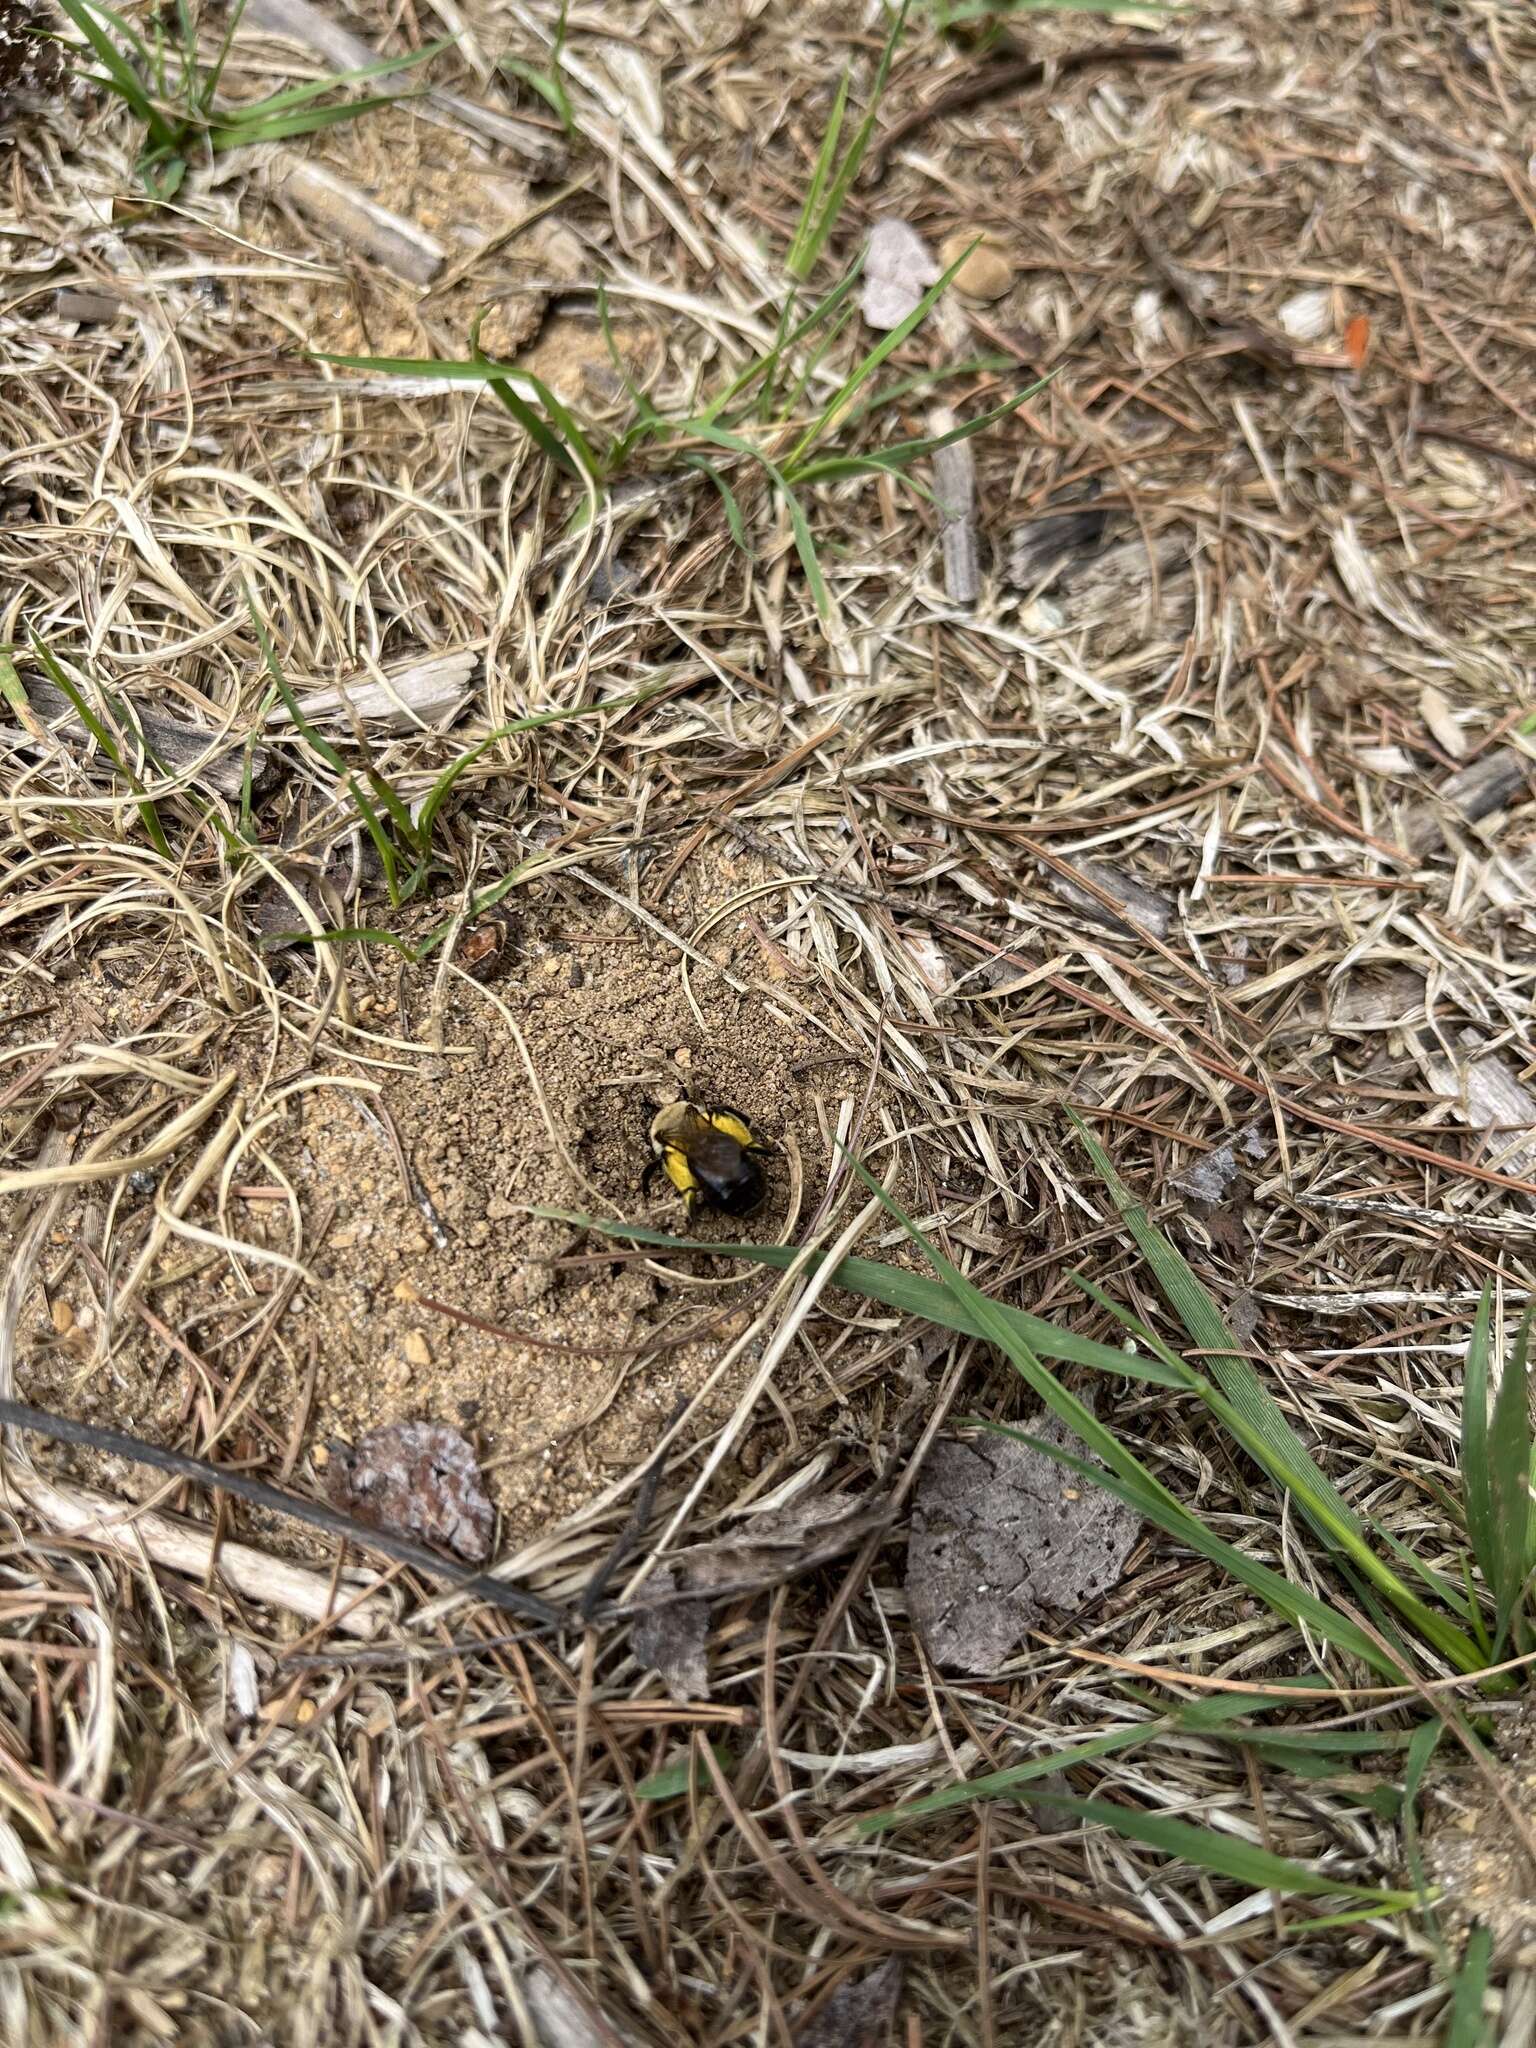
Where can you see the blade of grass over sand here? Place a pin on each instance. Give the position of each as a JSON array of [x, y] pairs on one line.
[[894, 1287]]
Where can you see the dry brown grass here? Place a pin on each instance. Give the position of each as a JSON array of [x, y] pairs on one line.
[[1284, 287]]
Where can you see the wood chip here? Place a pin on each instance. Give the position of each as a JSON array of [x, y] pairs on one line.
[[428, 693], [417, 1479], [954, 488], [1494, 781]]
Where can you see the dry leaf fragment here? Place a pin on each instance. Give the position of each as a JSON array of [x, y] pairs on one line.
[[861, 2012], [1043, 546], [418, 1479], [670, 1639], [1001, 1532]]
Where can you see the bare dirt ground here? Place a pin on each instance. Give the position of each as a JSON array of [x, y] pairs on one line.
[[1206, 819]]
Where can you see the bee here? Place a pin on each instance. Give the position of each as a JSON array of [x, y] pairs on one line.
[[710, 1156]]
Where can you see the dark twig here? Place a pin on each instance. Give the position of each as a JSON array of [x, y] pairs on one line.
[[277, 1500], [999, 79]]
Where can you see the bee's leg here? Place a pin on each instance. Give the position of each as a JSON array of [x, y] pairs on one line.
[[647, 1177]]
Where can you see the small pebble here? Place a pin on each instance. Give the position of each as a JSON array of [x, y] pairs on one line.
[[417, 1350], [62, 1317], [985, 274]]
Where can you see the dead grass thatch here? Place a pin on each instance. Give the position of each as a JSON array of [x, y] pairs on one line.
[[1207, 819]]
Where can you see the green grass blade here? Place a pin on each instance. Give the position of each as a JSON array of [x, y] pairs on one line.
[[797, 263], [866, 367], [438, 794], [328, 754], [549, 87], [922, 380], [1131, 1483], [1226, 1855], [901, 453], [785, 340], [813, 362], [121, 76], [215, 71], [674, 1780], [812, 237], [1280, 1454], [243, 133], [560, 414], [577, 460], [799, 526], [894, 1287], [1509, 1460], [1476, 1481], [733, 518], [1197, 1311], [319, 88], [106, 739], [1466, 2027], [1126, 1476], [998, 1784]]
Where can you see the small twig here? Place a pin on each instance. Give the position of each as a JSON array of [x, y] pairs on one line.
[[999, 79], [276, 1500]]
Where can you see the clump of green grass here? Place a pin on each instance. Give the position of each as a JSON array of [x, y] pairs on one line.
[[729, 425], [404, 833], [175, 95], [759, 418]]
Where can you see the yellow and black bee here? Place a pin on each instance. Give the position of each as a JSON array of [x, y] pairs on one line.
[[710, 1156]]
